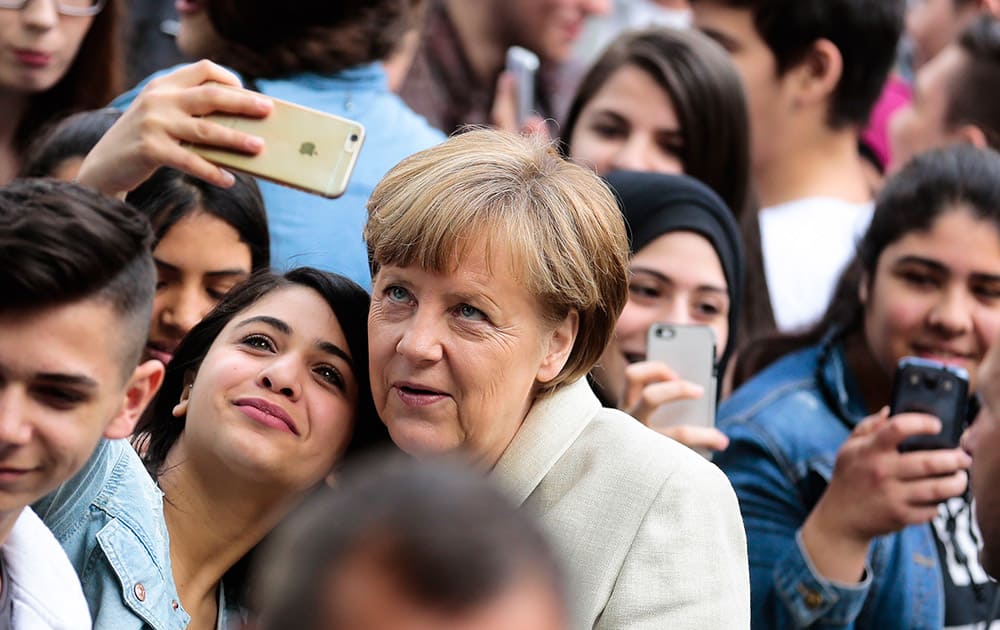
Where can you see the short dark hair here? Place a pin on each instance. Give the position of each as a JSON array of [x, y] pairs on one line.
[[170, 195], [866, 32], [267, 39], [980, 41], [440, 531], [72, 137], [92, 80], [707, 95], [62, 243]]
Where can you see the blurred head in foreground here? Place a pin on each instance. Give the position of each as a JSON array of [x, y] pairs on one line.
[[414, 545]]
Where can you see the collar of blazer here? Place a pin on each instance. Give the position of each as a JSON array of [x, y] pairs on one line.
[[552, 425]]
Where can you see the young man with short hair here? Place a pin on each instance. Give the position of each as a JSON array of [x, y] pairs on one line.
[[77, 280], [952, 99], [813, 70]]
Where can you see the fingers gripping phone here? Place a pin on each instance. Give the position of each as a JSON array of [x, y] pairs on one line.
[[303, 148], [690, 352], [936, 389], [523, 65]]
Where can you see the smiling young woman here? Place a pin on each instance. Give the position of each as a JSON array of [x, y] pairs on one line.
[[263, 398], [814, 456]]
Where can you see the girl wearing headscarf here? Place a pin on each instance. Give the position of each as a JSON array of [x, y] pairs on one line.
[[686, 268]]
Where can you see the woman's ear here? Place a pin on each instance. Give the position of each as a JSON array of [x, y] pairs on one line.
[[560, 345], [180, 409], [863, 289]]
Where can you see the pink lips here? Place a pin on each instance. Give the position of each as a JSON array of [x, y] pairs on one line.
[[187, 6], [154, 351], [32, 58], [416, 395], [267, 413]]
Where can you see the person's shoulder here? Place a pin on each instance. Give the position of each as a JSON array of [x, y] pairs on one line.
[[640, 455], [788, 382], [45, 589]]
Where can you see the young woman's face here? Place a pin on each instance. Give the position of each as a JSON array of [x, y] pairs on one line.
[[197, 261], [936, 294], [39, 45], [675, 279], [275, 397], [629, 124]]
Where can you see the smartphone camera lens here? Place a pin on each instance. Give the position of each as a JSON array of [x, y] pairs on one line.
[[930, 381], [354, 137]]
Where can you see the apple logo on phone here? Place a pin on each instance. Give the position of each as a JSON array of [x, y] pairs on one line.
[[307, 148]]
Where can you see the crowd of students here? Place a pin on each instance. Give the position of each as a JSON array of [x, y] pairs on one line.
[[226, 403]]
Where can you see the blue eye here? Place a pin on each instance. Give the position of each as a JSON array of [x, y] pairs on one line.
[[469, 312], [397, 294]]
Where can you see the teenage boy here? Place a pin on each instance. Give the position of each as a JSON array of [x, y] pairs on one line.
[[813, 70], [952, 100], [77, 280]]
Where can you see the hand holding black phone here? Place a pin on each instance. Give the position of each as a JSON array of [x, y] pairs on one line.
[[937, 389]]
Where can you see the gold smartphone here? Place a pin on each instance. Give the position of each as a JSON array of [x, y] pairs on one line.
[[303, 148]]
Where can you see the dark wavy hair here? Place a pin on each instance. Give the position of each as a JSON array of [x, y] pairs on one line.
[[158, 430], [267, 39], [93, 79], [929, 186]]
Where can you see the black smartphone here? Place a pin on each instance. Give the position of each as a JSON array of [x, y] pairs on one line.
[[937, 389]]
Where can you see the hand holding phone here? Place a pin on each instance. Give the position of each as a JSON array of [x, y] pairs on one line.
[[936, 389], [303, 148], [164, 115], [689, 351]]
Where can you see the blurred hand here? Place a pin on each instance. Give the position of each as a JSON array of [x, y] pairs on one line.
[[650, 385], [504, 111], [877, 490], [167, 113]]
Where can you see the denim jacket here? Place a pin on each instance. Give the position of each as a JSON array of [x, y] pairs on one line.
[[785, 427], [109, 519], [307, 229]]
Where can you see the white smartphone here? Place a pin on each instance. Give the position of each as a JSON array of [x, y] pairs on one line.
[[523, 64], [690, 352], [303, 148]]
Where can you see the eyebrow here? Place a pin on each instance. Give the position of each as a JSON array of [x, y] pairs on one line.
[[78, 381], [282, 327], [939, 268], [214, 274], [668, 280]]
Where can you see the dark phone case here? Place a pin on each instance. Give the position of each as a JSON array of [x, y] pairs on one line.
[[920, 386]]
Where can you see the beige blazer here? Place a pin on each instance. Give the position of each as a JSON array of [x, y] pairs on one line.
[[650, 532]]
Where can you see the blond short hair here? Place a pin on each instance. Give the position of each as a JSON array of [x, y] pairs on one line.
[[560, 222]]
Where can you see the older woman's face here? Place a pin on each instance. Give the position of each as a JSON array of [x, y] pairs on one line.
[[676, 279], [456, 358]]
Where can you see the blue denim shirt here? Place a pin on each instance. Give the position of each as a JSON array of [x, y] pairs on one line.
[[327, 233], [785, 427], [109, 520]]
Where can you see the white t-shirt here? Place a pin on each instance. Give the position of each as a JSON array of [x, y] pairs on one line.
[[806, 244], [45, 589]]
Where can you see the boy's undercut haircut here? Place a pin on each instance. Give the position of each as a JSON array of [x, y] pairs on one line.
[[968, 105], [866, 32], [61, 243]]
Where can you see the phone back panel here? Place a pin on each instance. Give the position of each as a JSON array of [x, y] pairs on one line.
[[942, 391], [304, 148], [690, 352]]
